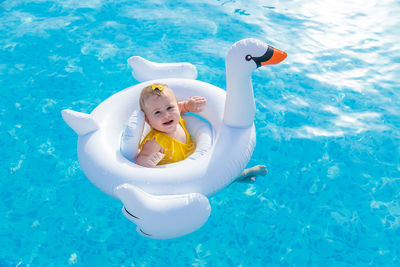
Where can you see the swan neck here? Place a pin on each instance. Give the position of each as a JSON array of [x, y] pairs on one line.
[[239, 104]]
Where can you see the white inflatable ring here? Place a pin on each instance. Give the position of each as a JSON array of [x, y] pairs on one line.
[[171, 200]]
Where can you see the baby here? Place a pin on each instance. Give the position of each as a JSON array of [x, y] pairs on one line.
[[168, 140]]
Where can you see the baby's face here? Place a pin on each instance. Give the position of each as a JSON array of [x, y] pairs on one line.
[[162, 112]]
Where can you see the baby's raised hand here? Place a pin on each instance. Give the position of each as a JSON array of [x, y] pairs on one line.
[[194, 104]]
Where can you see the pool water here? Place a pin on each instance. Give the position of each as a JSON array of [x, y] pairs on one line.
[[327, 128]]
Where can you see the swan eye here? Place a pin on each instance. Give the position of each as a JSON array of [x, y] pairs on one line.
[[249, 57]]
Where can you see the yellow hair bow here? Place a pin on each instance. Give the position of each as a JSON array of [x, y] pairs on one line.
[[158, 87]]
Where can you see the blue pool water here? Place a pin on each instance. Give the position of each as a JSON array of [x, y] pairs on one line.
[[327, 127]]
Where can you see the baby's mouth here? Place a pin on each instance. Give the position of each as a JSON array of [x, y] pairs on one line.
[[168, 123]]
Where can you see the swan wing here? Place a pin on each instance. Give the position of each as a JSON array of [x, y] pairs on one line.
[[163, 217], [145, 70], [81, 123]]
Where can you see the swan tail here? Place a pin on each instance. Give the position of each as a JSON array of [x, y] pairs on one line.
[[144, 70], [81, 123], [163, 217]]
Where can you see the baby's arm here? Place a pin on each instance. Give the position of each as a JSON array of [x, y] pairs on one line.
[[193, 104], [150, 155]]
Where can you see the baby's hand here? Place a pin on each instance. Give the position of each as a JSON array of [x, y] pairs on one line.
[[151, 154], [151, 146], [194, 104], [152, 160]]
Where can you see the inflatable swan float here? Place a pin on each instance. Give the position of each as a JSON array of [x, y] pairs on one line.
[[171, 200]]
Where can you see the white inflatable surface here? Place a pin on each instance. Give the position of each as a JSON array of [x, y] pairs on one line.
[[171, 200]]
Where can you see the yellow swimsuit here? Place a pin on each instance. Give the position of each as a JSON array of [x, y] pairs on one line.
[[173, 149]]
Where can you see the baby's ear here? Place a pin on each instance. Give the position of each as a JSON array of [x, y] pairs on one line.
[[146, 119]]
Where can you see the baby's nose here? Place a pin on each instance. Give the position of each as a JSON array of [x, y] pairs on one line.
[[166, 115]]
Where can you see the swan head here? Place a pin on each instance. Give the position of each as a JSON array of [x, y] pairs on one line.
[[242, 59], [250, 54]]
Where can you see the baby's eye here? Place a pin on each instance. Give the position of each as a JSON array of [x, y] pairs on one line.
[[157, 113], [170, 108]]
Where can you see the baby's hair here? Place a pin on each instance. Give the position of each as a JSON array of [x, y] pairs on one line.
[[153, 89]]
